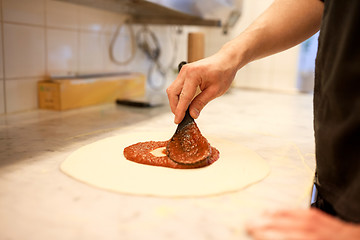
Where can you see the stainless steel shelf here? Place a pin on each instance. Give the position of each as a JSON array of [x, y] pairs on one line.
[[143, 11]]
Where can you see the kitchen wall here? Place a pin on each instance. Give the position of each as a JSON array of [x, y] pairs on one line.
[[277, 72], [43, 37], [40, 37]]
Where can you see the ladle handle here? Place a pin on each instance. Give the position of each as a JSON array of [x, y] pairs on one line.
[[181, 65]]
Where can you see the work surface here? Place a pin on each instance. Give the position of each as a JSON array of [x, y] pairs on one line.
[[37, 201]]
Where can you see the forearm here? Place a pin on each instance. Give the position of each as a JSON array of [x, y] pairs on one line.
[[283, 25]]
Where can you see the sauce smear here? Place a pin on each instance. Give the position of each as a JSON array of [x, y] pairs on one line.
[[188, 146], [141, 153]]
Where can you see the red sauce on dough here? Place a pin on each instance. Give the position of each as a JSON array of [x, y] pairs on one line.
[[188, 146], [140, 153]]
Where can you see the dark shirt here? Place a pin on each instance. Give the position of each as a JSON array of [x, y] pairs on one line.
[[337, 108]]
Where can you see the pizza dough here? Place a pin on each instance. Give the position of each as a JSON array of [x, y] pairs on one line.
[[159, 152], [103, 165]]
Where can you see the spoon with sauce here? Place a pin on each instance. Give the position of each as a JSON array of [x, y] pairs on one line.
[[188, 146]]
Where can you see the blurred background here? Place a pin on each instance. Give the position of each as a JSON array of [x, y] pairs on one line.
[[44, 39]]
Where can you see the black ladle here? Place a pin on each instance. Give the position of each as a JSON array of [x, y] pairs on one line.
[[188, 146]]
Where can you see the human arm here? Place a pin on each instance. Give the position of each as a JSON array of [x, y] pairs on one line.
[[310, 224], [284, 24]]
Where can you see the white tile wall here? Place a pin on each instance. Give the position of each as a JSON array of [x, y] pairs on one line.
[[1, 14], [24, 11], [286, 61], [285, 69], [120, 52], [2, 96], [2, 81], [214, 39], [62, 15], [24, 51], [91, 55], [122, 47], [42, 37], [21, 94], [62, 51], [1, 54], [111, 21], [91, 19], [277, 72]]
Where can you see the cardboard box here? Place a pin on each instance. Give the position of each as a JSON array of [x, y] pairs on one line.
[[70, 93]]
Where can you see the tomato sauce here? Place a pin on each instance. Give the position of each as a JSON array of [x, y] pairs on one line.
[[141, 153], [188, 146]]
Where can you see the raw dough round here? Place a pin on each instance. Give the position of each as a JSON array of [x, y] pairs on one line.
[[103, 165]]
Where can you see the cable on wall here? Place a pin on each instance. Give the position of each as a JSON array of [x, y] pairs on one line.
[[126, 23], [148, 42]]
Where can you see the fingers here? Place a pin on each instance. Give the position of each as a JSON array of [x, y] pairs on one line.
[[201, 74], [295, 224], [173, 93], [181, 92], [277, 225], [200, 101], [174, 90], [186, 96]]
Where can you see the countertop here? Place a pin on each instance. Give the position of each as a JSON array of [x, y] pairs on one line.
[[38, 201]]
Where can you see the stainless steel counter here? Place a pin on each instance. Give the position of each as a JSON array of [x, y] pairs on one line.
[[37, 201]]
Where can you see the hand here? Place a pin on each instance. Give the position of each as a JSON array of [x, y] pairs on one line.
[[309, 224], [213, 75]]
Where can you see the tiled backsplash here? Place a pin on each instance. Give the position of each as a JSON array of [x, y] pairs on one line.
[[43, 37], [40, 37], [277, 72]]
